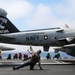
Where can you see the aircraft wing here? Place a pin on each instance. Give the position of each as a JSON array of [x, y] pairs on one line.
[[4, 48], [69, 49], [69, 46], [68, 39]]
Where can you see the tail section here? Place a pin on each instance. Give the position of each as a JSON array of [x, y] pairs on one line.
[[6, 26]]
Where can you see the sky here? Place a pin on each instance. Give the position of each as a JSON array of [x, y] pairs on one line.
[[39, 14]]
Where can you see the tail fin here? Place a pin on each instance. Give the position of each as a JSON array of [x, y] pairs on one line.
[[66, 26], [6, 26]]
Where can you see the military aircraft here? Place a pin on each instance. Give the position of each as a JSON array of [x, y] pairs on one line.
[[50, 37]]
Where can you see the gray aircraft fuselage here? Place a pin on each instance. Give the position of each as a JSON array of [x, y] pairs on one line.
[[38, 38]]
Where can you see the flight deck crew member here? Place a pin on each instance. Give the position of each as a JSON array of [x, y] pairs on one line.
[[35, 58]]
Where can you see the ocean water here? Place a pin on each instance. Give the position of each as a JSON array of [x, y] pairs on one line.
[[43, 54]]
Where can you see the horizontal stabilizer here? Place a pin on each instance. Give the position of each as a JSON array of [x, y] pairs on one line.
[[7, 49]]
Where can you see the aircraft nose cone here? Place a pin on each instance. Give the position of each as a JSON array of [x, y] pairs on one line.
[[3, 12]]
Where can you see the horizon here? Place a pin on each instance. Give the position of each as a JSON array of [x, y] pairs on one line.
[[43, 54]]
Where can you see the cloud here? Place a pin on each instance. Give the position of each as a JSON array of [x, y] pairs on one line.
[[65, 8], [46, 16], [40, 15], [16, 9], [65, 11]]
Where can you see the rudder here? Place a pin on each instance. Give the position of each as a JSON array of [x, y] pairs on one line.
[[6, 26]]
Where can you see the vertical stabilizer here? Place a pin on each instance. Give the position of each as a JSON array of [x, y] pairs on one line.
[[66, 26], [6, 26]]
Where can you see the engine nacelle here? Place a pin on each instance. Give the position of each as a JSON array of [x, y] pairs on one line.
[[69, 51]]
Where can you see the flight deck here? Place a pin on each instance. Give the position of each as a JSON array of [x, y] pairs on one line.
[[5, 62], [51, 67]]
